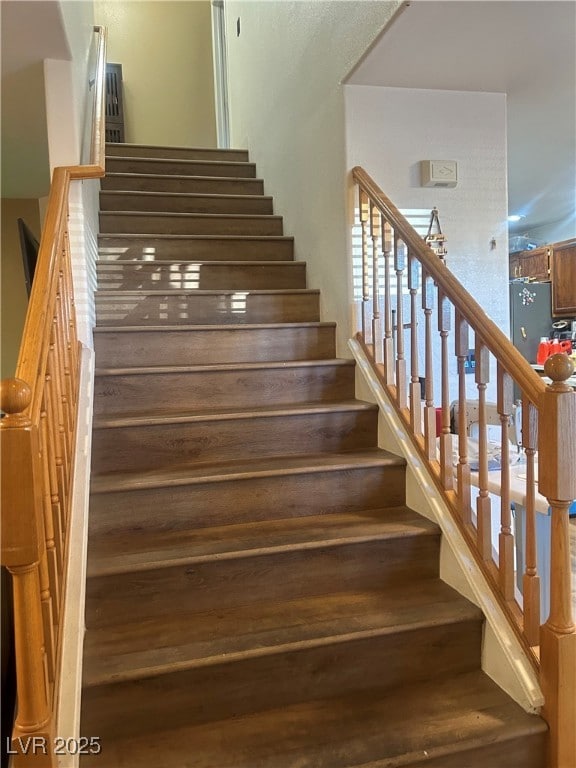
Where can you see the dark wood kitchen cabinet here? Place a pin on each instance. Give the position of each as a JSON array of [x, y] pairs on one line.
[[531, 264], [563, 263]]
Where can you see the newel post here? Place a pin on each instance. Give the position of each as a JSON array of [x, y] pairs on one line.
[[22, 549], [557, 481]]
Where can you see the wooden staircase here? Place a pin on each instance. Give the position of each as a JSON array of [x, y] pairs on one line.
[[259, 595]]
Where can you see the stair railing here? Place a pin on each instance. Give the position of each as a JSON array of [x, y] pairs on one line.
[[403, 284], [37, 445]]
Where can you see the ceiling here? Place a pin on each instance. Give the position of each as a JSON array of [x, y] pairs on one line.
[[524, 49]]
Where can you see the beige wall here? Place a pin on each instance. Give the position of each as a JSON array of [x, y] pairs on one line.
[[165, 49], [287, 107], [14, 299]]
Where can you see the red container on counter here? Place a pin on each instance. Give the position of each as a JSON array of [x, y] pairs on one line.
[[549, 347]]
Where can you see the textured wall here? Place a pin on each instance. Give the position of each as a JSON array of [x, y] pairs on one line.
[[287, 107], [165, 49], [389, 130]]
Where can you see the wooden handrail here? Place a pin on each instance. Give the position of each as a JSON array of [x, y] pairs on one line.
[[464, 302], [548, 425], [98, 145], [37, 437]]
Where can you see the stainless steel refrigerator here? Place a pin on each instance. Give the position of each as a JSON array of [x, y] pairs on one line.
[[530, 316]]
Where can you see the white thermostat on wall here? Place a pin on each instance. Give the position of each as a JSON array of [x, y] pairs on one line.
[[438, 173]]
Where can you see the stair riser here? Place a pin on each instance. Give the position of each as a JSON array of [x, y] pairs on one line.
[[149, 447], [230, 690], [205, 249], [157, 276], [180, 168], [224, 308], [110, 201], [240, 345], [180, 153], [529, 750], [217, 584], [195, 184], [247, 500], [126, 394], [199, 224]]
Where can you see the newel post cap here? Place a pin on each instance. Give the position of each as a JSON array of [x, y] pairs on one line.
[[556, 429]]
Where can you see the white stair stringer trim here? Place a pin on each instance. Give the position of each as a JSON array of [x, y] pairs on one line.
[[74, 587], [503, 657]]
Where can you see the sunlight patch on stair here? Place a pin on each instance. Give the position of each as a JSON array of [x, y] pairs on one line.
[[184, 276], [233, 303]]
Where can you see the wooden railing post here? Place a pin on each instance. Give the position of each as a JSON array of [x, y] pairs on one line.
[[557, 481], [22, 551]]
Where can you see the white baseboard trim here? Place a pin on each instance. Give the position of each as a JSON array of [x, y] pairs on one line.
[[503, 657], [67, 723]]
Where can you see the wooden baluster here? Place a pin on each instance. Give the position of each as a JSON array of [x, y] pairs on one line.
[[505, 539], [57, 490], [375, 228], [54, 558], [72, 336], [557, 482], [429, 409], [364, 213], [55, 423], [399, 266], [446, 466], [463, 470], [389, 363], [483, 502], [55, 353], [415, 392], [530, 579], [64, 375], [48, 618], [50, 484], [63, 329], [22, 549]]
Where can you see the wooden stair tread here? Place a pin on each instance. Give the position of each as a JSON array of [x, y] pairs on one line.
[[231, 327], [119, 292], [165, 236], [216, 414], [133, 174], [176, 215], [176, 176], [200, 262], [414, 724], [187, 474], [166, 644], [181, 160], [137, 145], [342, 362], [145, 550], [180, 195]]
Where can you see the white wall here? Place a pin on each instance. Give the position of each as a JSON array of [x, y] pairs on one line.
[[78, 16], [390, 130], [287, 107], [66, 85]]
